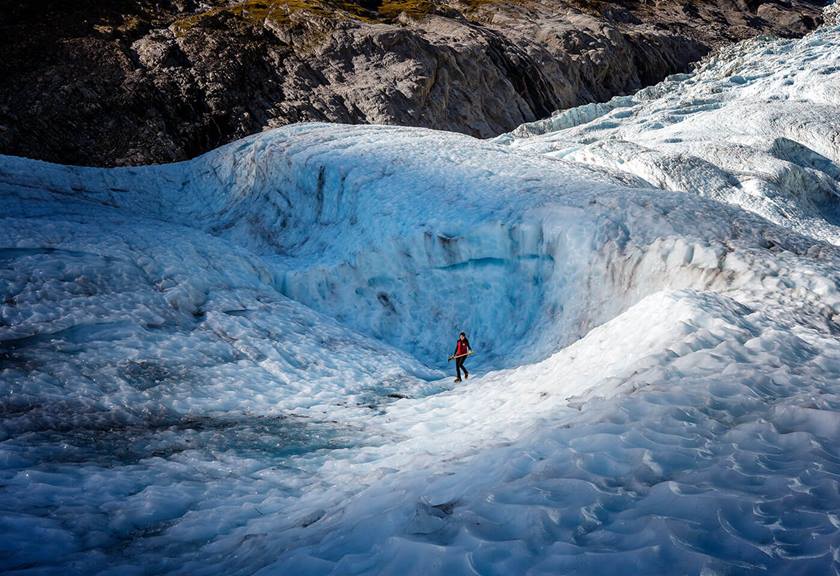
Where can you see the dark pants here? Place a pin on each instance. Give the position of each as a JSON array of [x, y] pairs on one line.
[[459, 365]]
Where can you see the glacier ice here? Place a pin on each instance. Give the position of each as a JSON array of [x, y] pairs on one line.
[[237, 364], [755, 125]]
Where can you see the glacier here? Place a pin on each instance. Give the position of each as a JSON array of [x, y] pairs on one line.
[[237, 364]]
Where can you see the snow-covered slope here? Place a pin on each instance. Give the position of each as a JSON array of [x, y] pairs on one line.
[[756, 126], [234, 365]]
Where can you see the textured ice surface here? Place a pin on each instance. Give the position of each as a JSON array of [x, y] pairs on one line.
[[234, 365], [756, 126]]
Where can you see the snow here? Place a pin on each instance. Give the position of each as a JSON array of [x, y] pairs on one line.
[[756, 125], [237, 364]]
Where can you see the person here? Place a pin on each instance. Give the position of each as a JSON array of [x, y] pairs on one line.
[[462, 349]]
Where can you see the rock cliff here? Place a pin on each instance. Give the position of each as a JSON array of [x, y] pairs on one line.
[[104, 82]]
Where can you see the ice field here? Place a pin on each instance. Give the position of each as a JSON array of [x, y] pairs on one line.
[[237, 365]]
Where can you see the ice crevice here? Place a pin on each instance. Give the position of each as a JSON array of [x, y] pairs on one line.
[[522, 280]]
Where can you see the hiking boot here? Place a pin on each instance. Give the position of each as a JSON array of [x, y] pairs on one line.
[[466, 376], [457, 379]]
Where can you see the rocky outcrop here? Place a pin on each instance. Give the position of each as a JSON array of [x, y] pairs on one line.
[[104, 82]]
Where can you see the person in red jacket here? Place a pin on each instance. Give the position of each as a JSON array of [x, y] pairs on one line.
[[462, 350]]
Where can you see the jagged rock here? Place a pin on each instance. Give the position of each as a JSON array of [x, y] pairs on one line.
[[116, 83]]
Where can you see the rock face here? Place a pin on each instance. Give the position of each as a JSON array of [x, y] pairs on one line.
[[105, 82]]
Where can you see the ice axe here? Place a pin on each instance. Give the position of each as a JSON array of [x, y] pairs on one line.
[[453, 357]]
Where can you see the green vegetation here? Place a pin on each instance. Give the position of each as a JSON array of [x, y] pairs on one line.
[[476, 4], [256, 11], [390, 9], [259, 11]]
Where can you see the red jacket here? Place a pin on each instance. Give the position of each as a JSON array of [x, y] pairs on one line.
[[462, 347]]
